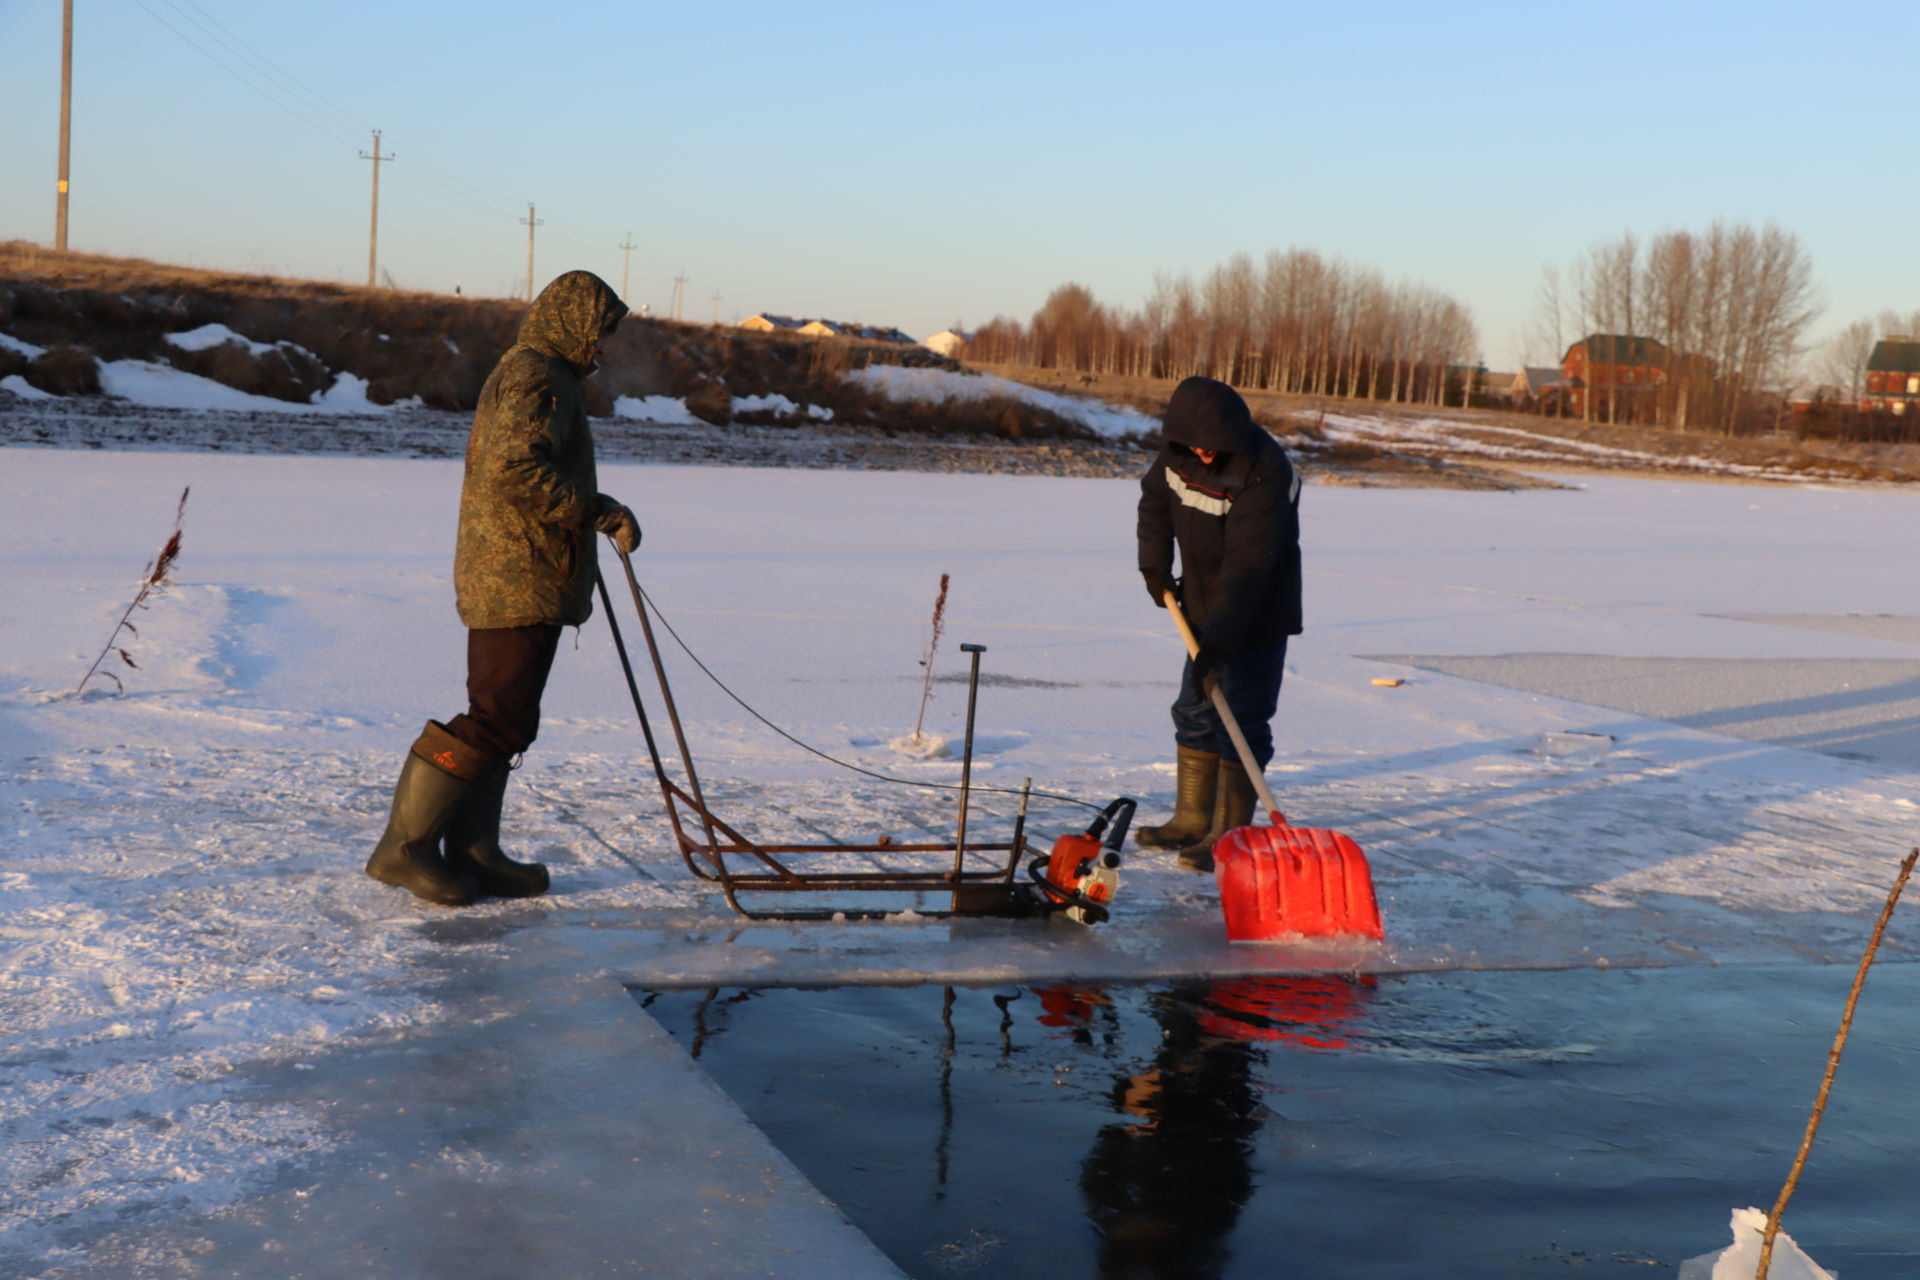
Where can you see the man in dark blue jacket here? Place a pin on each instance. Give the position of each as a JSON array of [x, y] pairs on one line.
[[1222, 491]]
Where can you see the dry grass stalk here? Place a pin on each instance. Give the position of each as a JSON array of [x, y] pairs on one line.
[[1833, 1065], [933, 647], [153, 578]]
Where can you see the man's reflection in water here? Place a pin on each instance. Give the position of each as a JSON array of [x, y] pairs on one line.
[[1164, 1187]]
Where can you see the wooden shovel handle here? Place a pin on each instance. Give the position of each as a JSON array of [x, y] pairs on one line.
[[1247, 761]]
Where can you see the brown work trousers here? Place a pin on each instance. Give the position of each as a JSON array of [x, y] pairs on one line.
[[507, 670]]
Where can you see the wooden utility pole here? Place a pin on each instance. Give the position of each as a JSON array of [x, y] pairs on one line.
[[373, 231], [66, 125], [531, 222], [626, 264]]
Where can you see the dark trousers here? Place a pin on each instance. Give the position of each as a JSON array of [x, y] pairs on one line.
[[507, 671], [1251, 681]]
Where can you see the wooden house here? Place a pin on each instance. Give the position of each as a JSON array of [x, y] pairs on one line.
[[1893, 376], [1615, 375]]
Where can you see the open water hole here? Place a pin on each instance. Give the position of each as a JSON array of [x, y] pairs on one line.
[[1459, 1125]]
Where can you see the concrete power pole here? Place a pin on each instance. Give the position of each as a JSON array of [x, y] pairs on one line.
[[626, 265], [373, 232], [531, 222], [66, 125]]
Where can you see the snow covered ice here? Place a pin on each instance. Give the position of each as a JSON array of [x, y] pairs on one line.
[[222, 1038]]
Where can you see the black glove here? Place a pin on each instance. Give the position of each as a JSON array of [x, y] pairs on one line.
[[1204, 662], [618, 523], [1159, 582]]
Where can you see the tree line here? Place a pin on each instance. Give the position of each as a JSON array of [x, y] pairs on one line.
[[1296, 322], [1731, 305]]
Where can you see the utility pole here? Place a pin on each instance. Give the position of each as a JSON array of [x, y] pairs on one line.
[[66, 125], [679, 291], [531, 222], [716, 308], [373, 232], [626, 264]]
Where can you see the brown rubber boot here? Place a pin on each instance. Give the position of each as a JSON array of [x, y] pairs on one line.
[[1232, 808], [1197, 774], [440, 773], [473, 845]]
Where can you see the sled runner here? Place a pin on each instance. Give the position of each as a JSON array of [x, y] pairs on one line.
[[1077, 878]]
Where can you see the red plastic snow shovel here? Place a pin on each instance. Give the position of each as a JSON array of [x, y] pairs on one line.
[[1283, 879]]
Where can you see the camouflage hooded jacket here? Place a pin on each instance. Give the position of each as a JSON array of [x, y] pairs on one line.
[[527, 507]]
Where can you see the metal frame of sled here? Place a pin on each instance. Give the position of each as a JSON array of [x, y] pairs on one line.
[[707, 842]]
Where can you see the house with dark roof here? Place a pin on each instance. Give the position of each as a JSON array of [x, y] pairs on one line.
[[1615, 375], [1893, 376], [767, 322]]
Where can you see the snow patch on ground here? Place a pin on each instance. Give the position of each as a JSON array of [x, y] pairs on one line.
[[208, 336], [19, 386], [897, 382], [20, 348], [666, 410], [781, 406], [161, 386]]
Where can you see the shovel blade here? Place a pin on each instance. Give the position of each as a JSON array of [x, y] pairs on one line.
[[1282, 880]]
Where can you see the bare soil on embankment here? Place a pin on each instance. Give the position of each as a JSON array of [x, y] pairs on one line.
[[436, 350]]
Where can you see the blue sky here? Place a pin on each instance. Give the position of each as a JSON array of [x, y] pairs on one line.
[[918, 165]]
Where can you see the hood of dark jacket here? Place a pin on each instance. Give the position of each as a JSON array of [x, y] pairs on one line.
[[569, 316], [1206, 414]]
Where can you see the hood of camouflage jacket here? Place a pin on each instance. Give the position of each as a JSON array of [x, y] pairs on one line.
[[569, 316]]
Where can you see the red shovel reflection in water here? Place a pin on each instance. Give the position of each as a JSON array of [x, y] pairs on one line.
[[1283, 880], [1308, 1010]]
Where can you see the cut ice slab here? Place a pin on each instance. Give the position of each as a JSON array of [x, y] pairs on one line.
[[1741, 1259], [923, 746]]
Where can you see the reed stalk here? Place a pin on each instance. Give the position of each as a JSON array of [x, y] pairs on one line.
[[152, 579], [1833, 1065], [933, 647]]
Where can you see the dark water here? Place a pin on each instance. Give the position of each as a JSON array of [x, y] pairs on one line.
[[1588, 1123]]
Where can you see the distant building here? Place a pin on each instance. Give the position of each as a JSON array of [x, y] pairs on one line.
[[947, 342], [767, 322], [1893, 376], [1535, 381], [1616, 373]]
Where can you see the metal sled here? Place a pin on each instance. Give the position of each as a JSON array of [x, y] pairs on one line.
[[981, 880]]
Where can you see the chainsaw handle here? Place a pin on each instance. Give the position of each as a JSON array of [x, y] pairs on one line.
[[1247, 762]]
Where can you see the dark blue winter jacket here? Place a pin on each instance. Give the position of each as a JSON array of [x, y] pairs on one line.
[[1236, 521]]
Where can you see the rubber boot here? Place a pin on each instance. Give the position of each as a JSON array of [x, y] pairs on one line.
[[430, 789], [473, 845], [1198, 771], [1232, 808]]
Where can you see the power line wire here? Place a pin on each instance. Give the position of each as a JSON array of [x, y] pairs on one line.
[[206, 22], [324, 126]]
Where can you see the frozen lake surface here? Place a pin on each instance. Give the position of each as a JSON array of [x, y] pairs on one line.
[[221, 1039]]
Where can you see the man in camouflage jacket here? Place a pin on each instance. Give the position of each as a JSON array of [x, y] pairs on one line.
[[523, 568]]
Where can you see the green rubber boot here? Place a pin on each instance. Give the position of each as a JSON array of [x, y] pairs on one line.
[[1234, 799], [473, 845], [424, 801], [1198, 772]]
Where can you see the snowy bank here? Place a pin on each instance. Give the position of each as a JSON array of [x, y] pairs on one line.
[[897, 382]]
